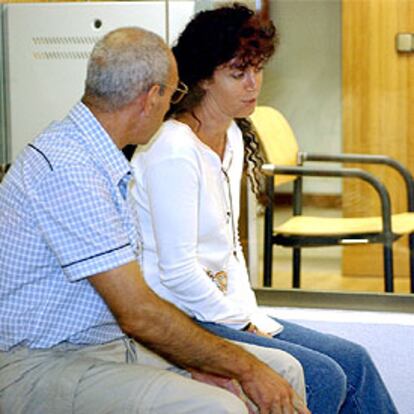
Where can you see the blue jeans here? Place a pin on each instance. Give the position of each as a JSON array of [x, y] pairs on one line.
[[340, 375]]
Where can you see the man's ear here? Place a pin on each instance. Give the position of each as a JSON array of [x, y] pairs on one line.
[[151, 99]]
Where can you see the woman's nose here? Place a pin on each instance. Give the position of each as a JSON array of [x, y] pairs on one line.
[[252, 80]]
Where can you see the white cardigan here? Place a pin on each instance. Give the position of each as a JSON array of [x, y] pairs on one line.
[[188, 204]]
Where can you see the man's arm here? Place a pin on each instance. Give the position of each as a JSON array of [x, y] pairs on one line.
[[160, 326]]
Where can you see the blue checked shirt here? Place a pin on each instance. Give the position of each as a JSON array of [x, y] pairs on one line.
[[64, 215]]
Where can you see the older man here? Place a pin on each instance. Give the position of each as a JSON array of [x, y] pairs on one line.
[[80, 332]]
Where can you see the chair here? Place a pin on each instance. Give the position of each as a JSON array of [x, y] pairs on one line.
[[286, 164]]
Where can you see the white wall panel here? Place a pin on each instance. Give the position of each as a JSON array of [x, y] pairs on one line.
[[47, 49]]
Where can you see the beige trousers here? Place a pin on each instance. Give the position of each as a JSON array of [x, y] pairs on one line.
[[121, 377]]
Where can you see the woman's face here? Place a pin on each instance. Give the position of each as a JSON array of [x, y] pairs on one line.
[[234, 90]]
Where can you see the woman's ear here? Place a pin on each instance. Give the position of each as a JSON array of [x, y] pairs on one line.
[[205, 84]]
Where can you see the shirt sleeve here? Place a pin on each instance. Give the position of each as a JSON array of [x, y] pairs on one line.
[[173, 192], [78, 216]]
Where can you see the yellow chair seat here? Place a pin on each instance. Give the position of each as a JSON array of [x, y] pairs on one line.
[[324, 226]]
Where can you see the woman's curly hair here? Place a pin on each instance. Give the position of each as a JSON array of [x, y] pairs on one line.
[[211, 39]]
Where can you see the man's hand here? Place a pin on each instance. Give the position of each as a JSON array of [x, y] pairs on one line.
[[235, 388], [272, 393]]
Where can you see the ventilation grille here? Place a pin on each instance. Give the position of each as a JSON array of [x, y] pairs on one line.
[[65, 40], [63, 47], [55, 55]]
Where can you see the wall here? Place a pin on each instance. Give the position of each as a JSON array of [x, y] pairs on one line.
[[303, 80], [4, 157], [3, 149]]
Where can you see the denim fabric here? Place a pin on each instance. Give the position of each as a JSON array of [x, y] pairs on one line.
[[340, 375]]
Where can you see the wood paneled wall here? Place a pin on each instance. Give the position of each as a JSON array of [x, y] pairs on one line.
[[378, 113]]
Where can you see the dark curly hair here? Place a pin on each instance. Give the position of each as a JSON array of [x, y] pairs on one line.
[[211, 39]]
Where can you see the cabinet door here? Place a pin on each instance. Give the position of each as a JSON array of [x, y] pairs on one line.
[[54, 40], [378, 113]]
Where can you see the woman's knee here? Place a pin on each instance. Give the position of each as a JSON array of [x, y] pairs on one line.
[[354, 359], [326, 384], [358, 353]]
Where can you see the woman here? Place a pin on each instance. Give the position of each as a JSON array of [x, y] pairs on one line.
[[188, 187]]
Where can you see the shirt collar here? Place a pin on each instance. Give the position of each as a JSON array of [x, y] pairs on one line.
[[100, 143]]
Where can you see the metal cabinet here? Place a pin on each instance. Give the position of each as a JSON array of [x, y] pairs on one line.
[[46, 47]]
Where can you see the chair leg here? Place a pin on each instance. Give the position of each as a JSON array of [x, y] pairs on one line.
[[268, 262], [268, 248], [296, 267], [268, 234], [411, 241], [388, 268]]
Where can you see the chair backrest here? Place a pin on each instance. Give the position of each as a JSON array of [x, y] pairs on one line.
[[277, 139]]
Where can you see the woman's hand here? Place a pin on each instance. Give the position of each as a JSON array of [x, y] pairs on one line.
[[254, 329], [261, 333], [228, 384]]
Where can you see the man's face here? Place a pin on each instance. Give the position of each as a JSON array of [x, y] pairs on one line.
[[163, 99], [157, 103]]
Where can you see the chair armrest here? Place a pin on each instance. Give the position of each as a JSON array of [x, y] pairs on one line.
[[368, 159], [271, 169]]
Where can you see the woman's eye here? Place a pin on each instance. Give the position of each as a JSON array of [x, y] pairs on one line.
[[237, 75]]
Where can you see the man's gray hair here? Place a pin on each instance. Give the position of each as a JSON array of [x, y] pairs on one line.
[[123, 64]]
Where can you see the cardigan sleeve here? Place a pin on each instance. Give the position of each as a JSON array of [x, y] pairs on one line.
[[173, 193]]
